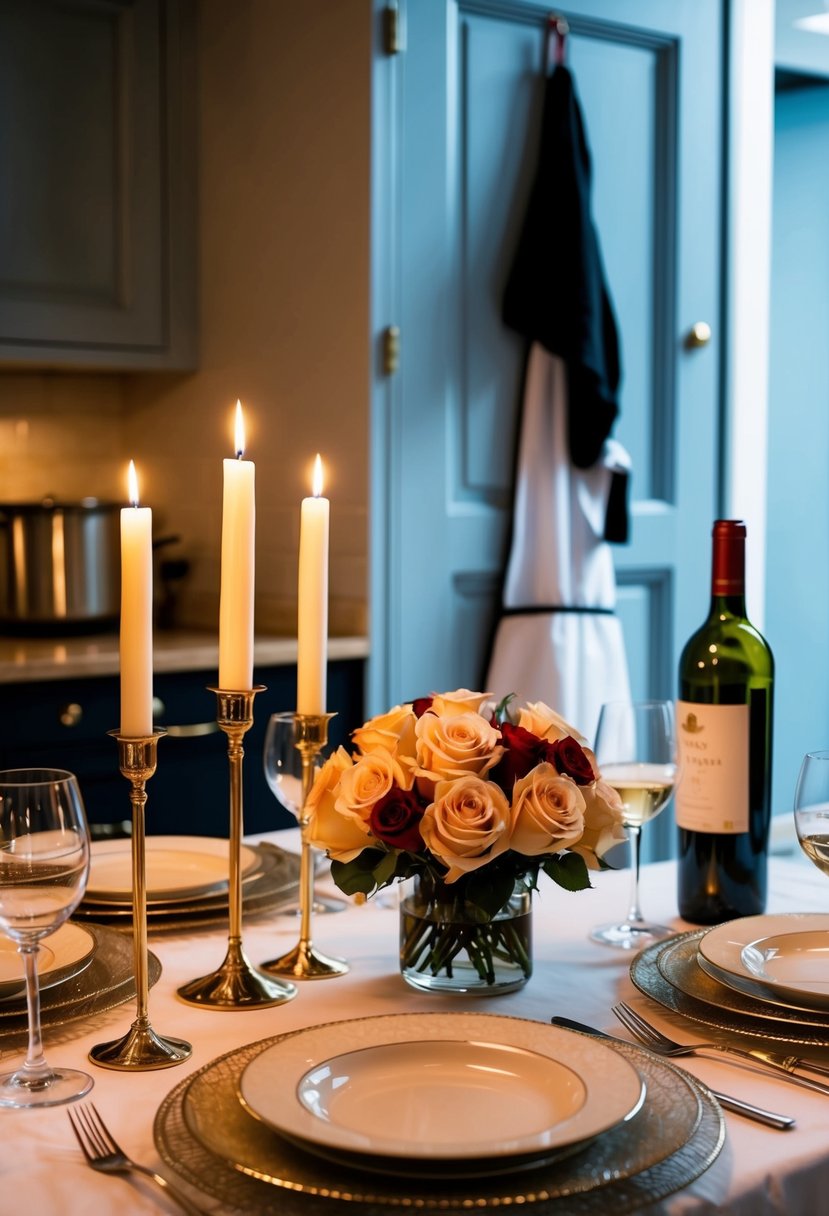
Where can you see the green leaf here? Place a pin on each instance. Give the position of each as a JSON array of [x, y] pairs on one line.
[[384, 872], [502, 708], [357, 876], [569, 870]]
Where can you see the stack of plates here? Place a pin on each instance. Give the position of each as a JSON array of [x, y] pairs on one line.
[[765, 976], [437, 1111], [187, 881], [82, 972], [64, 954]]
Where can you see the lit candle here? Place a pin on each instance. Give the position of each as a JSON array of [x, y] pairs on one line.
[[312, 630], [238, 542], [136, 644]]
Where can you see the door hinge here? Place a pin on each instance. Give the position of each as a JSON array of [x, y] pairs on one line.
[[391, 350], [393, 36]]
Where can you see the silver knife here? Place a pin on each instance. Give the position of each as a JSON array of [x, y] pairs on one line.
[[776, 1060], [737, 1105]]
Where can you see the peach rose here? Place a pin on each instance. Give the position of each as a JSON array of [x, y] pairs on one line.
[[461, 701], [549, 812], [369, 778], [455, 746], [342, 836], [393, 732], [538, 718], [602, 822], [468, 824]]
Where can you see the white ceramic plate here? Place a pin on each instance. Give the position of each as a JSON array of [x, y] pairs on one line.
[[783, 957], [177, 867], [63, 954], [440, 1087]]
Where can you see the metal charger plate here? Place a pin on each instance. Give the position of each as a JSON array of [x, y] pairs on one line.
[[649, 979], [674, 1138], [275, 883], [108, 981]]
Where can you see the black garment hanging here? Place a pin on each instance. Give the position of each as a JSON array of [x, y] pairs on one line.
[[556, 292]]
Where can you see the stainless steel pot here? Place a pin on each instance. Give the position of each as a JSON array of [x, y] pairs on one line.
[[59, 566]]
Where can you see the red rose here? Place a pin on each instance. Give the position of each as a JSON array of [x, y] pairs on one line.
[[524, 751], [395, 819], [421, 704], [569, 758]]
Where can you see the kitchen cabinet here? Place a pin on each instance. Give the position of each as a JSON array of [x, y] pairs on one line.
[[63, 724], [97, 184]]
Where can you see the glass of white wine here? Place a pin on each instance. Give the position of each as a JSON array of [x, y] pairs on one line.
[[44, 866], [636, 752], [811, 808]]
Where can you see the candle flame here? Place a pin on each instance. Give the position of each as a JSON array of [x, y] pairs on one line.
[[316, 481], [239, 434], [132, 482]]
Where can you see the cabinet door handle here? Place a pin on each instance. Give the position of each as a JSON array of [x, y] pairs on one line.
[[192, 730], [71, 714]]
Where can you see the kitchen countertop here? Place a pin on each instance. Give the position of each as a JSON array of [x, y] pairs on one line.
[[26, 659]]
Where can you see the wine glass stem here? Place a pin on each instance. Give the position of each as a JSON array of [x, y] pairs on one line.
[[635, 912], [35, 1070]]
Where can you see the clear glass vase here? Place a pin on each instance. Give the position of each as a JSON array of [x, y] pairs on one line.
[[446, 946]]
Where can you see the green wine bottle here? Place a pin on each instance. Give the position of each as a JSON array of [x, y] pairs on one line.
[[724, 735]]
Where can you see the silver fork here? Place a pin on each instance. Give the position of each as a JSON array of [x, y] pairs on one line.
[[659, 1043], [103, 1153]]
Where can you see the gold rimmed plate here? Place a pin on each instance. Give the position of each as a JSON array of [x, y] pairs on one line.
[[472, 1088], [178, 868]]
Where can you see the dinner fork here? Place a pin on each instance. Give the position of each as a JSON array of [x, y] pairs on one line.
[[103, 1153], [659, 1043]]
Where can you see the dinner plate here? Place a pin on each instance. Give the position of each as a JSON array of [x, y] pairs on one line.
[[454, 1086], [177, 868], [63, 954], [774, 955], [205, 1135], [798, 1030], [682, 966]]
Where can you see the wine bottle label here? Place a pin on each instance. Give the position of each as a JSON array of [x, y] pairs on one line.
[[712, 794]]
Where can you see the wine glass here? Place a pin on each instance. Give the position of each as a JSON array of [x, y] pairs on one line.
[[44, 867], [811, 808], [636, 753], [283, 773]]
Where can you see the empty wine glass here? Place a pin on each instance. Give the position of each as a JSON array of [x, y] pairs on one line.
[[44, 866], [636, 752], [811, 808], [283, 773]]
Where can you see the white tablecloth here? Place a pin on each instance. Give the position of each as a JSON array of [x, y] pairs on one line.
[[759, 1172]]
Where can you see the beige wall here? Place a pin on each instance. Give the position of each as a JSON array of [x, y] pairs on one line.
[[284, 101]]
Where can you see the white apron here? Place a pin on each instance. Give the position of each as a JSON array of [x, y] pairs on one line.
[[572, 660]]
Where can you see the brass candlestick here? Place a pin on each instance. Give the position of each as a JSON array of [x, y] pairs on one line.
[[140, 1048], [236, 984], [304, 962]]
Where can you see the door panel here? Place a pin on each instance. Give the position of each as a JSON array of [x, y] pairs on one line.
[[459, 155]]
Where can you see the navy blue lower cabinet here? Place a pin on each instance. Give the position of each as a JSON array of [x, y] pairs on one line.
[[64, 724]]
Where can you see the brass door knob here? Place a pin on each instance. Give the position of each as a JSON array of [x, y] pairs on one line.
[[698, 335]]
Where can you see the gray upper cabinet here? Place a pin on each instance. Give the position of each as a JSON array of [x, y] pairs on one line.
[[97, 184]]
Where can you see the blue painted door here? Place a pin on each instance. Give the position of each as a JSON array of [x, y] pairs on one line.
[[797, 586], [456, 124]]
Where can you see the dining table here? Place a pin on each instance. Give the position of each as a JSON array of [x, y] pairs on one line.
[[757, 1171]]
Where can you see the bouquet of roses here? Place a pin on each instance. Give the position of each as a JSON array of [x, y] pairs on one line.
[[466, 794]]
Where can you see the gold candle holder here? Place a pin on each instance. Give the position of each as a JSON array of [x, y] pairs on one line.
[[237, 984], [303, 962], [141, 1048]]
